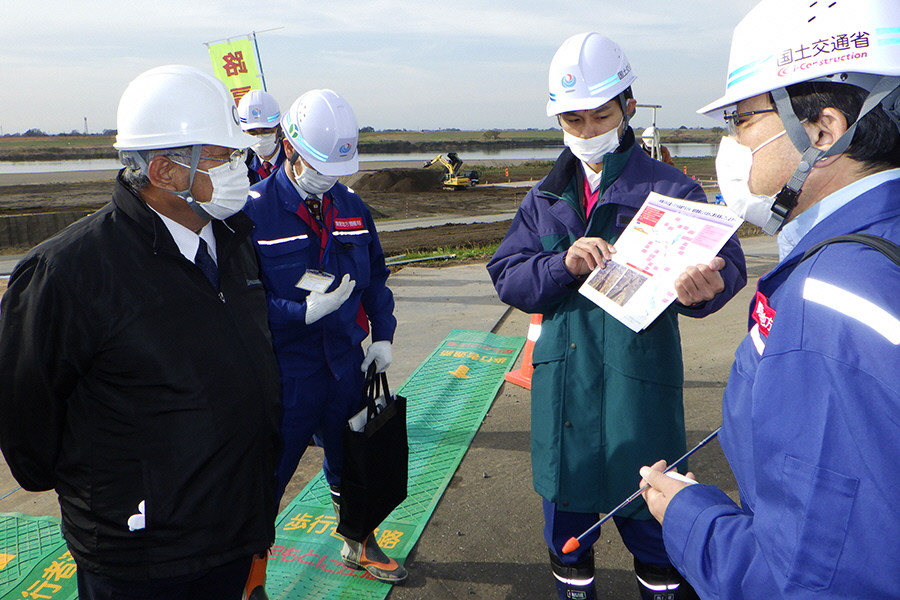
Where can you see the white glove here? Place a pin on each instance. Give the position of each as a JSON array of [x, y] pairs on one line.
[[318, 304], [380, 352]]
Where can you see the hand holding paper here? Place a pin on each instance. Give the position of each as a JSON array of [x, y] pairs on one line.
[[700, 283], [667, 251], [588, 253]]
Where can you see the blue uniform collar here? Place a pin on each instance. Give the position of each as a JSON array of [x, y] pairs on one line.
[[794, 231], [858, 213]]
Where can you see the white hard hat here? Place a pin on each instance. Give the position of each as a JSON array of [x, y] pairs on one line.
[[783, 42], [650, 135], [322, 128], [174, 106], [258, 110], [586, 72]]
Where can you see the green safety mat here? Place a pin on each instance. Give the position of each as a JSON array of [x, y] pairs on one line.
[[34, 561], [447, 396]]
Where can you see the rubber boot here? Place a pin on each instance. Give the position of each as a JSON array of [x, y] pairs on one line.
[[366, 554], [255, 588], [662, 583], [575, 581]]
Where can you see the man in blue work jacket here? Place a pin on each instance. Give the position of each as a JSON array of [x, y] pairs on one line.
[[325, 277], [812, 406]]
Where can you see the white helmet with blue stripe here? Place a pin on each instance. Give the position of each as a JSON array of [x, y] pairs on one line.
[[586, 72], [783, 42], [258, 110], [323, 129]]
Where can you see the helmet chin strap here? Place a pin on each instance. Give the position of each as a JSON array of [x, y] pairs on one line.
[[886, 92], [626, 118]]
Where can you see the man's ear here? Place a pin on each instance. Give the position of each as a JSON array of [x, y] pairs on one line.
[[830, 126], [631, 107], [164, 174], [288, 148]]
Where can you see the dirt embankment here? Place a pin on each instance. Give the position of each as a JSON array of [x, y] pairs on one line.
[[389, 193]]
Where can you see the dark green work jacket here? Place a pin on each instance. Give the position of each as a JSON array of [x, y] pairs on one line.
[[605, 400]]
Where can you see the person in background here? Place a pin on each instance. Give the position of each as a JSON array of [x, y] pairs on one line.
[[650, 142], [810, 412], [260, 114], [139, 376], [326, 280], [603, 397]]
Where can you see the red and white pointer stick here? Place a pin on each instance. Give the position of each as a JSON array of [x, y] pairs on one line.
[[575, 543]]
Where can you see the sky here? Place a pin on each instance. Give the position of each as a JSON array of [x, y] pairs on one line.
[[401, 64]]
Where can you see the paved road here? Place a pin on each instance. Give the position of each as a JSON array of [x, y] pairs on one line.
[[484, 538]]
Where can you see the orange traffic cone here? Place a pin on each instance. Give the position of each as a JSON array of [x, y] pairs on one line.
[[522, 376]]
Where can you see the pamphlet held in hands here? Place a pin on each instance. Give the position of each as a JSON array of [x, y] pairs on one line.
[[666, 236]]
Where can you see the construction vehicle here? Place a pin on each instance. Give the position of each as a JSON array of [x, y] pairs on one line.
[[454, 178]]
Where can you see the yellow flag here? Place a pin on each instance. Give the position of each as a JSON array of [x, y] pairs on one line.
[[235, 63]]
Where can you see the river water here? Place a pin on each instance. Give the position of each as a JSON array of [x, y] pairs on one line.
[[517, 154]]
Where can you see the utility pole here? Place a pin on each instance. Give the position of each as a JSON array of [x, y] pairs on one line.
[[85, 126]]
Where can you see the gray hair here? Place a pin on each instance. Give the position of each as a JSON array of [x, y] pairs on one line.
[[135, 162]]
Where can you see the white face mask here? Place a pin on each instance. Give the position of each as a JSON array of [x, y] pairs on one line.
[[230, 189], [592, 150], [733, 163], [313, 182], [266, 144]]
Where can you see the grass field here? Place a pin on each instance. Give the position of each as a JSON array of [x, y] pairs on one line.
[[538, 136], [66, 147]]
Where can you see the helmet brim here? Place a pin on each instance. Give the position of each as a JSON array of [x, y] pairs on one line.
[[334, 169]]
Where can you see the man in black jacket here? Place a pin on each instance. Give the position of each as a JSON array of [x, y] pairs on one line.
[[138, 378]]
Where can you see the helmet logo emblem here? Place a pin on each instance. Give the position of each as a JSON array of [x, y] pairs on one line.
[[345, 148], [569, 81], [256, 113], [293, 130]]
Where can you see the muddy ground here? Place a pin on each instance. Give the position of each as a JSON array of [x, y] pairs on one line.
[[389, 193]]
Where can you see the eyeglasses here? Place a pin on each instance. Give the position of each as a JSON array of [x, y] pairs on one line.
[[734, 120], [234, 160]]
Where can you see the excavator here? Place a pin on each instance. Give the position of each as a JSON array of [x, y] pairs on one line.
[[454, 179]]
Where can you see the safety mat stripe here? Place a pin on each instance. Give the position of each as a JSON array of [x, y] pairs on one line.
[[447, 396]]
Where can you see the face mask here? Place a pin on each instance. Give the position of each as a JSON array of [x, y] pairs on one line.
[[313, 182], [593, 149], [266, 144], [230, 189], [733, 162]]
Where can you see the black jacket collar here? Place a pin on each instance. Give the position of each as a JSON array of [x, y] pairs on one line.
[[229, 233]]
